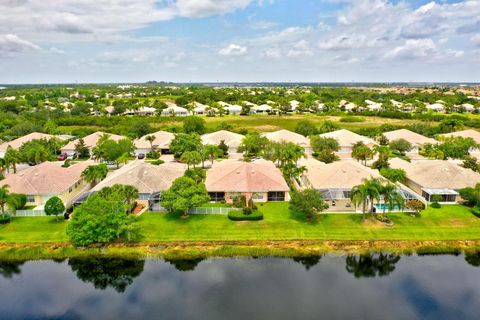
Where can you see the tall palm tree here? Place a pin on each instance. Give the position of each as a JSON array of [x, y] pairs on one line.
[[150, 138], [374, 187], [5, 198], [366, 193], [12, 158], [94, 174], [391, 197]]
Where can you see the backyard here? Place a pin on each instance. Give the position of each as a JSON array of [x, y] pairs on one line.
[[452, 222]]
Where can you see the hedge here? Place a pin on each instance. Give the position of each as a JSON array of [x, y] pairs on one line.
[[238, 215]]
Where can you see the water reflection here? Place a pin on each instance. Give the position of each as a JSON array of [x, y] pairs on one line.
[[371, 265], [115, 273], [184, 264], [10, 268], [308, 262], [473, 259]]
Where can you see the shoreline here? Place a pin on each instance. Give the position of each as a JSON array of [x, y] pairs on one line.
[[223, 249]]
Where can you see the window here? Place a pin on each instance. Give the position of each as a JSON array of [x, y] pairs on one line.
[[70, 190], [217, 196], [276, 196], [257, 196], [30, 198]]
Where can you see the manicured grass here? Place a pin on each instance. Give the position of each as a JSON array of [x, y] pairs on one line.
[[34, 229], [447, 223]]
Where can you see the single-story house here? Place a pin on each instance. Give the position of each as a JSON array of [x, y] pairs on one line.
[[347, 139], [173, 110], [17, 143], [259, 180], [416, 140], [264, 108], [336, 180], [202, 109], [469, 133], [231, 139], [90, 142], [143, 111], [438, 107], [150, 180], [161, 143], [41, 182], [436, 177], [231, 108], [289, 136]]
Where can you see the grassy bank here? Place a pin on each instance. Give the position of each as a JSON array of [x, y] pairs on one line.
[[449, 223]]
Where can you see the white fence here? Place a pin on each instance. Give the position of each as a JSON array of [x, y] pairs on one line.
[[28, 213], [210, 210]]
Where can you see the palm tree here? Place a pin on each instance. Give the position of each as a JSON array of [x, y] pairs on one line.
[[366, 193], [5, 198], [12, 158], [391, 197], [191, 158], [150, 138], [94, 174], [130, 193]]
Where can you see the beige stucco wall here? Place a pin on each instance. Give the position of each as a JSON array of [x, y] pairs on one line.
[[341, 205], [66, 196], [229, 196]]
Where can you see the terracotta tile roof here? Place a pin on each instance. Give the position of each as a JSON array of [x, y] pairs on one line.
[[344, 174], [17, 143], [162, 140], [347, 138], [146, 177], [45, 179], [240, 176], [438, 174], [288, 136], [412, 137], [91, 140], [231, 139]]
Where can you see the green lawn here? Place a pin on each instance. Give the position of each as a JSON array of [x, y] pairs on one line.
[[446, 223], [34, 229]]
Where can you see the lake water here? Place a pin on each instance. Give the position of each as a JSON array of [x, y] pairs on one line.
[[329, 287]]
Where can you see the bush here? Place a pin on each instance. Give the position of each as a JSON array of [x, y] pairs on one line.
[[436, 205], [239, 202], [153, 155], [19, 200], [247, 211], [352, 119], [66, 163], [238, 215], [5, 218], [476, 212], [157, 162]]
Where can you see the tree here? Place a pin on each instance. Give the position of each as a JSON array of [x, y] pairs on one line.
[[95, 173], [81, 149], [363, 194], [324, 144], [101, 219], [253, 145], [391, 197], [54, 206], [139, 129], [50, 127], [130, 193], [114, 151], [327, 126], [306, 128], [35, 152], [415, 205], [194, 124], [361, 152], [471, 163], [150, 139], [185, 142], [184, 194], [223, 147], [308, 202], [6, 198], [394, 175], [400, 146], [191, 158], [212, 152], [196, 174], [12, 158], [383, 156], [457, 147]]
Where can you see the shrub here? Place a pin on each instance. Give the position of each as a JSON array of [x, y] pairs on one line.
[[251, 204], [247, 210], [239, 202], [436, 205], [476, 212], [157, 162], [238, 215], [352, 119], [5, 218], [66, 163], [435, 201], [153, 155]]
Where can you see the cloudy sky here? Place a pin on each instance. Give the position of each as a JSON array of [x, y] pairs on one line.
[[58, 41]]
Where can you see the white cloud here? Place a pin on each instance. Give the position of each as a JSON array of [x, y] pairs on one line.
[[272, 53], [413, 48], [300, 49], [233, 50], [204, 8], [262, 25], [11, 44], [56, 50]]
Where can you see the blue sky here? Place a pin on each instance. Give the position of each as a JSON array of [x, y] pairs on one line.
[[53, 41]]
